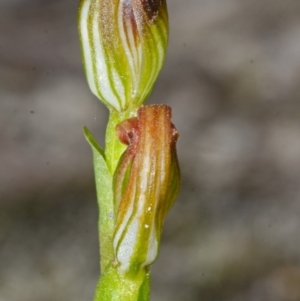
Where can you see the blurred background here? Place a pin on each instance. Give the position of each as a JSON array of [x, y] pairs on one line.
[[232, 78]]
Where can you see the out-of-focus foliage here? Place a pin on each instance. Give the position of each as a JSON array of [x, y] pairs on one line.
[[232, 78]]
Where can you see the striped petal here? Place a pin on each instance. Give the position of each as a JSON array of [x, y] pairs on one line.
[[123, 46], [146, 184]]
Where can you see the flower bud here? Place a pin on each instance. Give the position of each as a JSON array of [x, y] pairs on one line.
[[123, 46], [146, 183]]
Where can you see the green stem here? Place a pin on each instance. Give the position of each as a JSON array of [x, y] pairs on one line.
[[115, 286], [114, 148]]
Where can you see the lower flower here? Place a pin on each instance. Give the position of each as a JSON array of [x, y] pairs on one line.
[[146, 184]]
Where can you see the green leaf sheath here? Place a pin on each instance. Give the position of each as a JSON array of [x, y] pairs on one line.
[[106, 222], [105, 163]]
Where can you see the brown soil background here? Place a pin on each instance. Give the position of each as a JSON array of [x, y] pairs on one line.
[[232, 78]]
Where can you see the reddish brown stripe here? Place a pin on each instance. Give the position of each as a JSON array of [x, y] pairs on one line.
[[128, 14], [151, 7]]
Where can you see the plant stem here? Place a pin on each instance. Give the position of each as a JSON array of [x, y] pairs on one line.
[[115, 286], [114, 148], [105, 164]]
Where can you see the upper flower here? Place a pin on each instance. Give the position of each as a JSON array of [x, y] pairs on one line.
[[123, 48]]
